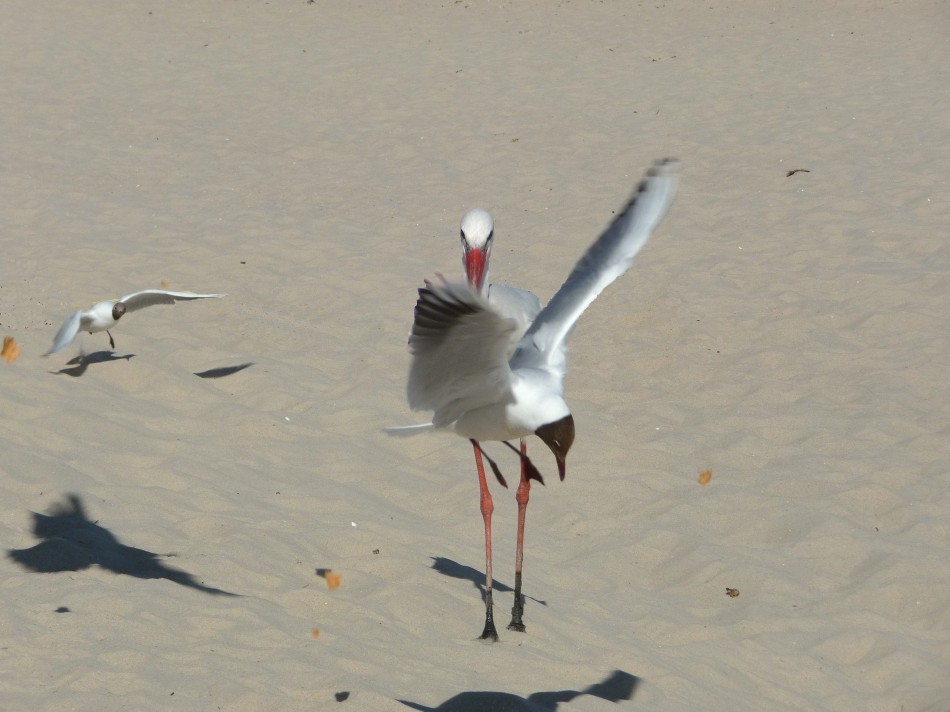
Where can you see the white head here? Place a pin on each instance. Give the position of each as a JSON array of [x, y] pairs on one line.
[[478, 230]]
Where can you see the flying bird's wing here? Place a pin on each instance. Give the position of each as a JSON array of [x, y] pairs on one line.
[[459, 345], [609, 257], [150, 297], [67, 333], [518, 304]]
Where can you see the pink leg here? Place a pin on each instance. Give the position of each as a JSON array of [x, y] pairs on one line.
[[524, 489], [487, 508]]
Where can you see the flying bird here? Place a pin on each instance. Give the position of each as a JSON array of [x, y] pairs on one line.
[[483, 382], [105, 315]]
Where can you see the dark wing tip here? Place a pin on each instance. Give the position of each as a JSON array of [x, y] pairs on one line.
[[438, 308], [660, 166]]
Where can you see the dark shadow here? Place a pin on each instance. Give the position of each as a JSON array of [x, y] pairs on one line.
[[81, 362], [447, 567], [71, 542], [618, 686], [223, 371]]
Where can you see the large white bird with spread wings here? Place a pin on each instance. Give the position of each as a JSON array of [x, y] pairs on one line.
[[105, 315], [463, 366]]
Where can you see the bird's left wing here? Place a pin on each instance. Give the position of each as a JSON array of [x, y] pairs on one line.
[[609, 257], [459, 345], [66, 334], [150, 297]]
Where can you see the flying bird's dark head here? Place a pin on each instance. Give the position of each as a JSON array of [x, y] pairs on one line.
[[118, 310], [559, 436]]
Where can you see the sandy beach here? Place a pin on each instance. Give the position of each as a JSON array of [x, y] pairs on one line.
[[176, 510]]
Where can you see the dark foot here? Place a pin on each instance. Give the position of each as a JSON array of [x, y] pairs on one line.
[[111, 341], [489, 633], [516, 612]]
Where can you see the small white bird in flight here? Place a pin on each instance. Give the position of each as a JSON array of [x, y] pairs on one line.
[[105, 315], [463, 366]]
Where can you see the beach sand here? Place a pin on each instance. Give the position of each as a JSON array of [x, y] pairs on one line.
[[788, 333]]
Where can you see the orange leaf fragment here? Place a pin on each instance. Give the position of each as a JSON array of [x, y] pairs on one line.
[[704, 477], [10, 349], [315, 632], [333, 580], [164, 284]]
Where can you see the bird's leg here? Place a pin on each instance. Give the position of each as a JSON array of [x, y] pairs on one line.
[[527, 467], [494, 465], [111, 340], [487, 507], [524, 489]]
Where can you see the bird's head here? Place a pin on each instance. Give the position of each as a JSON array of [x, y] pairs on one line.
[[118, 309], [478, 229], [559, 436]]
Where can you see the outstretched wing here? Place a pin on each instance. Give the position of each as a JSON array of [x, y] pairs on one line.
[[67, 333], [609, 257], [459, 345], [150, 297]]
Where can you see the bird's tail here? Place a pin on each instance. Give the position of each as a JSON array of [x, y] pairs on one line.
[[405, 431]]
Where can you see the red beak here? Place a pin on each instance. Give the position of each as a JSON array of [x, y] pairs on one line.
[[475, 260]]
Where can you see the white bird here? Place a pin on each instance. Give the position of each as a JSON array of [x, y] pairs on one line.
[[105, 315], [477, 235], [462, 366]]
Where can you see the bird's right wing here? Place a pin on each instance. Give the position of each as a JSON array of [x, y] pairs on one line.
[[150, 297], [459, 345], [609, 257], [66, 334]]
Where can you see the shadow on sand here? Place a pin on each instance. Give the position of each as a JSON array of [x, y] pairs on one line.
[[447, 567], [223, 371], [71, 542], [83, 361], [618, 686]]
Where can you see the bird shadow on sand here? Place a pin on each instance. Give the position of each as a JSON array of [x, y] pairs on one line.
[[83, 361], [223, 371], [71, 542], [618, 686], [447, 567]]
